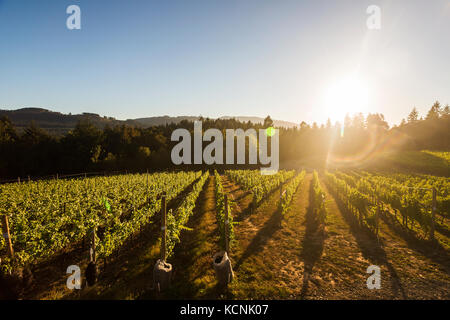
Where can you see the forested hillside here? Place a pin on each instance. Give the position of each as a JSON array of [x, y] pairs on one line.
[[32, 150]]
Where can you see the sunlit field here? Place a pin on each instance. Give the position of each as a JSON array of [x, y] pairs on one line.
[[418, 161], [298, 234]]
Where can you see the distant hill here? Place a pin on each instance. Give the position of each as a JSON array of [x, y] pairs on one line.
[[163, 120], [55, 122], [155, 121], [277, 123], [59, 123]]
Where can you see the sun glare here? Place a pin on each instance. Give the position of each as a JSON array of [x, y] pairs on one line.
[[348, 96]]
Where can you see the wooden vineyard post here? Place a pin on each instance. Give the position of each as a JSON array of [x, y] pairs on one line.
[[91, 270], [346, 196], [18, 180], [377, 217], [360, 215], [281, 190], [163, 228], [227, 226], [405, 213], [433, 212], [93, 248], [162, 271], [281, 195], [221, 261], [7, 236]]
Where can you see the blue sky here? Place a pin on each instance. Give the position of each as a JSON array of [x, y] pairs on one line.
[[255, 57]]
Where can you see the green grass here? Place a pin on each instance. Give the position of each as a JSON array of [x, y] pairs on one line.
[[443, 155], [429, 162]]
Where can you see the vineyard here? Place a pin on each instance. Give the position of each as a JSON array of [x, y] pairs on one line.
[[419, 203], [45, 217], [290, 218]]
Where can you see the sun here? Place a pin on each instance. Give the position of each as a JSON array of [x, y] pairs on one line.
[[347, 96]]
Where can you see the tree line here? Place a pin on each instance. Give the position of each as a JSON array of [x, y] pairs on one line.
[[86, 148]]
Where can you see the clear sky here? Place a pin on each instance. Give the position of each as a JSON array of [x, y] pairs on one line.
[[139, 58]]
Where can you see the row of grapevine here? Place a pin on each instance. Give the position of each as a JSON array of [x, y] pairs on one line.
[[418, 187], [357, 203], [408, 199], [47, 216], [318, 199], [220, 212], [349, 179], [176, 220], [289, 190], [411, 205], [256, 183]]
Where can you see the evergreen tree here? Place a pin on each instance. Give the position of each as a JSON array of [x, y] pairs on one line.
[[413, 115], [446, 112], [435, 111], [268, 122]]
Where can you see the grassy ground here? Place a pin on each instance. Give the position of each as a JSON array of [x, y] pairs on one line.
[[427, 162], [290, 258]]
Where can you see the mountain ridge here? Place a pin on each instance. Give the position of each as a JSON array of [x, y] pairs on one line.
[[59, 123]]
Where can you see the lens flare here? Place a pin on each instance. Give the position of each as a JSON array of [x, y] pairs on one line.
[[270, 131]]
